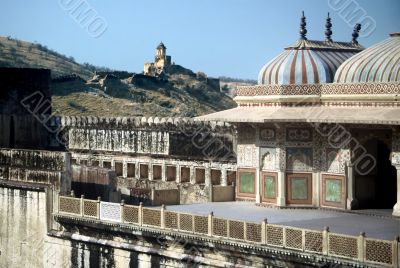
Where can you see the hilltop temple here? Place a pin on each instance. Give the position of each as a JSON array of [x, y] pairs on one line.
[[161, 61], [321, 128]]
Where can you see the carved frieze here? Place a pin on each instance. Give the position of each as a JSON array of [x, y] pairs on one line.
[[299, 134], [147, 142], [247, 156]]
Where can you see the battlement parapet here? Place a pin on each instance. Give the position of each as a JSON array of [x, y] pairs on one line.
[[162, 123]]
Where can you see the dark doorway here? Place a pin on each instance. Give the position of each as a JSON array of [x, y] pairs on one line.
[[376, 188]]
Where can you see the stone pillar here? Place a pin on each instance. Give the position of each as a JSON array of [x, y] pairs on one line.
[[192, 175], [360, 246], [396, 208], [150, 168], [325, 241], [208, 176], [137, 169], [258, 183], [281, 199], [163, 171], [163, 216], [210, 223], [124, 169], [315, 188], [112, 164], [178, 173], [224, 180], [352, 202]]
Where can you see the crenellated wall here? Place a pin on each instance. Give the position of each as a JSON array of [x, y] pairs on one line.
[[173, 137]]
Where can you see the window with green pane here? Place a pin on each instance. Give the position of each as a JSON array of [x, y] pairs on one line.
[[269, 186], [333, 190], [246, 182], [299, 188]]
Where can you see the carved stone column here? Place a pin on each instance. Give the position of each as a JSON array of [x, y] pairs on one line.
[[281, 200], [352, 202], [396, 208], [257, 186], [224, 179]]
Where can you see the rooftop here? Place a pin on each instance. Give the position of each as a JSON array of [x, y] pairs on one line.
[[315, 114]]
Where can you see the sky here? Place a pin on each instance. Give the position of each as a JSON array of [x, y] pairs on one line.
[[232, 38]]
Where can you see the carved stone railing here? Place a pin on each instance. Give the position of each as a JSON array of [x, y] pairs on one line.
[[159, 123], [354, 248]]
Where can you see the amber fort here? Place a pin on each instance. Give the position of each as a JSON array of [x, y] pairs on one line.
[[304, 172]]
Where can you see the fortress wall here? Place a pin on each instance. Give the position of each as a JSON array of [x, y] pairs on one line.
[[176, 137], [26, 242], [23, 228]]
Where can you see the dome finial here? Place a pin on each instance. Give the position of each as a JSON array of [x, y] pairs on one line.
[[303, 30], [355, 34], [328, 31]]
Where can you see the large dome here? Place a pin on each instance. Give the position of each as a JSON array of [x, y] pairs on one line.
[[307, 62], [379, 63]]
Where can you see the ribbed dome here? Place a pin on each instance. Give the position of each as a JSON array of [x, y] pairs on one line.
[[307, 62], [379, 63]]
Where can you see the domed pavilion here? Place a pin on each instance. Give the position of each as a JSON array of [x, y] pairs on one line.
[[322, 127]]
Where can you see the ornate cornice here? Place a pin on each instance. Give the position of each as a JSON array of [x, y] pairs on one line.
[[319, 89]]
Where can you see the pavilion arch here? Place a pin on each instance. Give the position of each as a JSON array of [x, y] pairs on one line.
[[375, 178]]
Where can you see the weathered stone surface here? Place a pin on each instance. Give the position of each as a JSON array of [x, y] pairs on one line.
[[25, 107]]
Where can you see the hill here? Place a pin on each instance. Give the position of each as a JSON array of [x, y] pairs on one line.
[[17, 53], [84, 89]]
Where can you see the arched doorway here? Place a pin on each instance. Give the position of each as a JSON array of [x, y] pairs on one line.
[[376, 178]]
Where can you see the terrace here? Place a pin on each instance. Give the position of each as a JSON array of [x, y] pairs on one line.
[[365, 238]]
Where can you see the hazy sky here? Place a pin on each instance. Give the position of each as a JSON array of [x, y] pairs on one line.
[[220, 37]]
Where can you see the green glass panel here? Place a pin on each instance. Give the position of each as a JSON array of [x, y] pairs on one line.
[[333, 190], [247, 182], [299, 188], [269, 187]]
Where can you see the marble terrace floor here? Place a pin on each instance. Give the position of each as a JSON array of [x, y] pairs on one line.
[[375, 223]]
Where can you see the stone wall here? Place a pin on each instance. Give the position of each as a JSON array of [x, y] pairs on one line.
[[223, 193], [38, 167], [192, 178], [23, 227], [25, 106], [165, 197], [175, 137], [94, 182]]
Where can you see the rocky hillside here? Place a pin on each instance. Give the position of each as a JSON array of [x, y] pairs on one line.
[[77, 91], [17, 53]]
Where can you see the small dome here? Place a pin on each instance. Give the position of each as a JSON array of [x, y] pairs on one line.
[[307, 62], [161, 46], [379, 63]]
